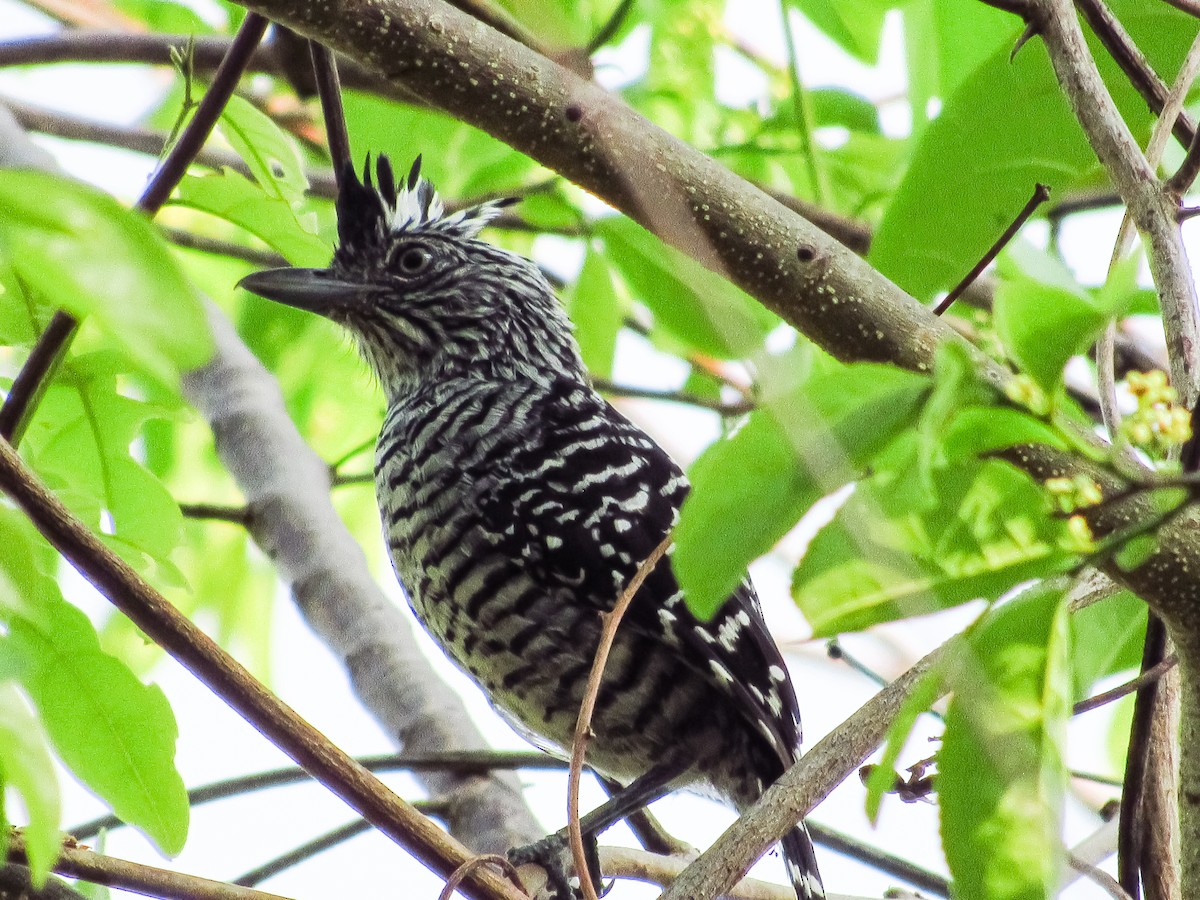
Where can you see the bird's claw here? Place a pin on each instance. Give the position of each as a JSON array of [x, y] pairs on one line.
[[553, 855]]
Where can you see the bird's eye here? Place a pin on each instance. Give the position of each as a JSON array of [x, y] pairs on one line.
[[414, 260]]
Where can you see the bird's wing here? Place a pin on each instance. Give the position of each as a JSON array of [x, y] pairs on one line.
[[586, 497]]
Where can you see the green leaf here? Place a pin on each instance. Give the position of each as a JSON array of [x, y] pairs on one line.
[[273, 219], [883, 776], [27, 767], [751, 488], [1108, 639], [116, 734], [597, 313], [887, 555], [854, 25], [81, 441], [272, 155], [461, 160], [979, 429], [81, 250], [832, 106], [946, 41], [1001, 775], [695, 305], [1005, 128], [164, 16], [1044, 317]]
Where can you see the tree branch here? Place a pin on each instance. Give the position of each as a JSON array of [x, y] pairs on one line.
[[1141, 75], [103, 46], [96, 868], [791, 798], [1135, 181], [575, 127], [200, 655]]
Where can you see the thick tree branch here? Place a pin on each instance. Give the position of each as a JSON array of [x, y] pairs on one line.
[[575, 127]]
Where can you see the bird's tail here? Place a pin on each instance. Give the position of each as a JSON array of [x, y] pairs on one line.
[[801, 861]]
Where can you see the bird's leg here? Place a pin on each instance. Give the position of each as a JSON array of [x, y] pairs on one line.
[[550, 852]]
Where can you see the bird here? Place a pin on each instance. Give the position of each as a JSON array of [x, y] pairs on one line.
[[517, 504]]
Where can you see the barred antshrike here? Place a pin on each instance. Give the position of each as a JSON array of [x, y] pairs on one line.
[[517, 504]]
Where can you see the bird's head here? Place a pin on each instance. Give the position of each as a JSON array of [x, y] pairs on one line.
[[425, 297]]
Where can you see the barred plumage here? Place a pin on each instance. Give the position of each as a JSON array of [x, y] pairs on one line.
[[517, 504]]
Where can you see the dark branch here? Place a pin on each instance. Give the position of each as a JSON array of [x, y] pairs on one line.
[[1124, 690], [35, 376], [1124, 51], [1040, 193], [90, 46], [1179, 183], [238, 515], [329, 89]]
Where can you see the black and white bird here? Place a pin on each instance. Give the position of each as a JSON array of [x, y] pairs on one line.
[[517, 504]]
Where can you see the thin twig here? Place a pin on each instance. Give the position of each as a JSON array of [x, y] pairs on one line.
[[462, 762], [238, 515], [736, 408], [1191, 7], [212, 104], [1179, 183], [917, 876], [583, 725], [609, 29], [324, 842], [189, 240], [1040, 194], [198, 653], [1099, 876], [35, 376], [491, 859], [97, 868], [1123, 690], [145, 140], [801, 108]]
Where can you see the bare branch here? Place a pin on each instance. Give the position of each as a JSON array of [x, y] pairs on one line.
[[583, 725], [1141, 74], [77, 862], [791, 798]]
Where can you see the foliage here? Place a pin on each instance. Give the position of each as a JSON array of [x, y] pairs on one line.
[[932, 516]]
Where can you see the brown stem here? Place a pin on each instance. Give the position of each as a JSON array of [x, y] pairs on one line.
[[76, 862], [1123, 690], [1040, 194], [583, 725]]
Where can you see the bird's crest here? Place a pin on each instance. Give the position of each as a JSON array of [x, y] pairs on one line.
[[371, 210]]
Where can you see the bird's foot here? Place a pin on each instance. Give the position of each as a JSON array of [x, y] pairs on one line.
[[554, 856]]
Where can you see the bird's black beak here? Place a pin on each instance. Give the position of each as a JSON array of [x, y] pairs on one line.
[[315, 290]]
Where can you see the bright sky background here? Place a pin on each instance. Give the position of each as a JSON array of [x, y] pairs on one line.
[[233, 836]]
